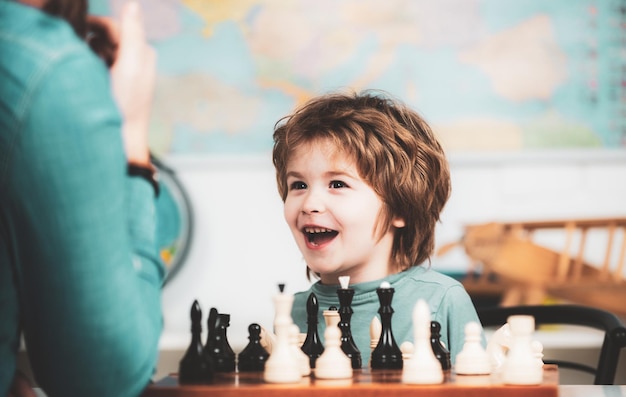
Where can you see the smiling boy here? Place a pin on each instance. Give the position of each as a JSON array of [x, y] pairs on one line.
[[364, 180]]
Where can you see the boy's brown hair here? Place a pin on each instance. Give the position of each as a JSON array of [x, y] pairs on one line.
[[395, 152]]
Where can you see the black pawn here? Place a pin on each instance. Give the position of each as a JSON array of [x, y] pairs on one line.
[[312, 345], [253, 357], [348, 346], [194, 368], [387, 354], [440, 351], [220, 351]]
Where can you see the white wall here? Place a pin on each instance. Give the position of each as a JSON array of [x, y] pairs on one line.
[[242, 247]]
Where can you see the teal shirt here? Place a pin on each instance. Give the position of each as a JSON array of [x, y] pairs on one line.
[[80, 276], [449, 303]]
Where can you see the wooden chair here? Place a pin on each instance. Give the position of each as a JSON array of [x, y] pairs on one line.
[[614, 336]]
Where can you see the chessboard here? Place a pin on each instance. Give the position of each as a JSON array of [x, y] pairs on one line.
[[364, 383]]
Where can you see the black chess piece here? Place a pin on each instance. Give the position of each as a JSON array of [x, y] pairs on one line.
[[219, 349], [210, 326], [440, 351], [348, 346], [253, 357], [387, 354], [312, 345], [194, 367]]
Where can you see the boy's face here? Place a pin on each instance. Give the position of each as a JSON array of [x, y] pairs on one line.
[[333, 214]]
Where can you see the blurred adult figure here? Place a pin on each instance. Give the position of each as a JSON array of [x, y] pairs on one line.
[[80, 275]]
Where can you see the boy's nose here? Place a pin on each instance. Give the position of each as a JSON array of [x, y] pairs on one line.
[[313, 203]]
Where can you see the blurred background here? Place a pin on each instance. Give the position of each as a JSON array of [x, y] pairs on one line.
[[528, 98]]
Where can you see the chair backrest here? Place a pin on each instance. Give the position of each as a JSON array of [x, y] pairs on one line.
[[614, 331]]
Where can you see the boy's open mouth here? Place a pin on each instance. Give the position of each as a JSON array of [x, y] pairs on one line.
[[319, 235]]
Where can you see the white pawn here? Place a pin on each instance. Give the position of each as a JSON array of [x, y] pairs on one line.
[[473, 358], [520, 367], [423, 367], [376, 328], [407, 350], [303, 359], [333, 363], [282, 365]]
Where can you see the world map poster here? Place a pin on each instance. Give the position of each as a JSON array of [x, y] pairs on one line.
[[487, 75]]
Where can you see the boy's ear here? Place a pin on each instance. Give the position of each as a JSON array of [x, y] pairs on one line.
[[398, 222]]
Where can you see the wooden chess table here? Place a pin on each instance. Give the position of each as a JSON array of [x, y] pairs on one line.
[[364, 383]]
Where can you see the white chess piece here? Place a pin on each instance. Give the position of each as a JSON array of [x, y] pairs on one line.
[[498, 346], [333, 363], [282, 366], [301, 338], [537, 348], [303, 359], [376, 328], [520, 367], [268, 339], [407, 350], [473, 358], [423, 367]]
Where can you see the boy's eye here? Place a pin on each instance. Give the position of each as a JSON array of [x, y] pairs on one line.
[[298, 185], [337, 184]]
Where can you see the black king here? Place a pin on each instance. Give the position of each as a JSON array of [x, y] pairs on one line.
[[387, 354]]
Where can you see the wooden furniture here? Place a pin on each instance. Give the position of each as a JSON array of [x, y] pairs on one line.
[[365, 383], [614, 337], [508, 260]]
